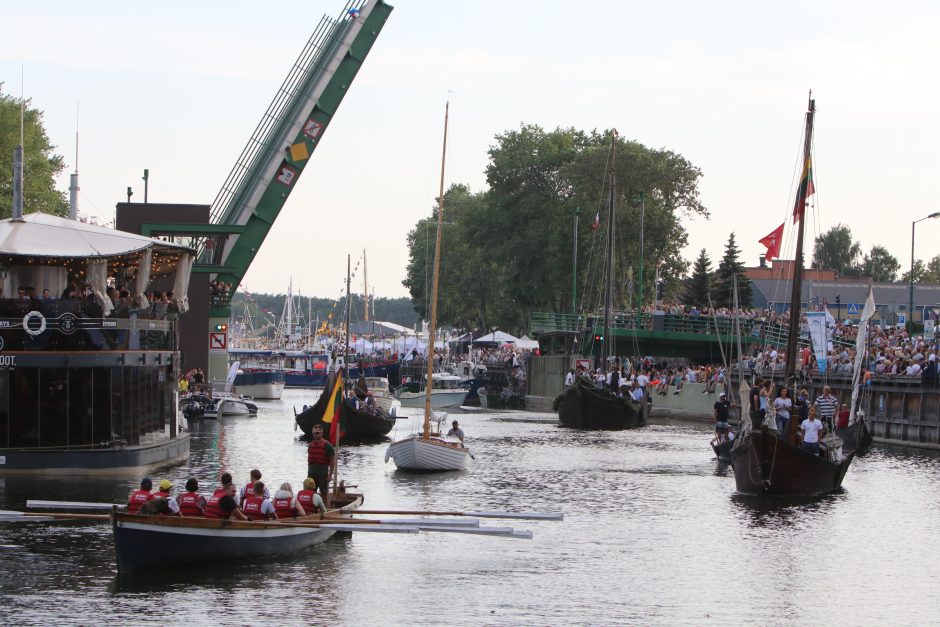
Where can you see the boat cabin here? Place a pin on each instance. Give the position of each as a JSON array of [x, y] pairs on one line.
[[88, 354]]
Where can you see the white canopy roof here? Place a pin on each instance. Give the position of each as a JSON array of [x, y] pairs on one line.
[[499, 337], [44, 235], [526, 343]]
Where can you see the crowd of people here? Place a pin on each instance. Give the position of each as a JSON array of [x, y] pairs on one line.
[[156, 305], [219, 292]]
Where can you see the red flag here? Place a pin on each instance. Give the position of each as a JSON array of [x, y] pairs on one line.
[[597, 221], [805, 190], [772, 242]]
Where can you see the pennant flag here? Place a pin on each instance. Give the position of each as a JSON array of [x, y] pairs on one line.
[[772, 242], [805, 190], [597, 221], [334, 410]]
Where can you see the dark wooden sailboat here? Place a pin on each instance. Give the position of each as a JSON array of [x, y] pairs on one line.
[[585, 405], [359, 424], [764, 462]]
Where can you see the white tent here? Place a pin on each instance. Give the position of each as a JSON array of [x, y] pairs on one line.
[[497, 337], [526, 343]]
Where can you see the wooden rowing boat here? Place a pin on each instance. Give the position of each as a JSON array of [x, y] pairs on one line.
[[154, 542]]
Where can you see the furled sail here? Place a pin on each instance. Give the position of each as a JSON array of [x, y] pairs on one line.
[[860, 353]]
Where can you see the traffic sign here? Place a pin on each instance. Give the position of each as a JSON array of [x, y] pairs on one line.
[[217, 341], [853, 308], [902, 318]]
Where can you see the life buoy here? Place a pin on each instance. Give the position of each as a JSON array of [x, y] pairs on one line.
[[32, 316]]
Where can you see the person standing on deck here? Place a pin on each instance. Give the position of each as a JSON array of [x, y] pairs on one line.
[[826, 407], [319, 459], [782, 405], [811, 431], [721, 413], [757, 416]]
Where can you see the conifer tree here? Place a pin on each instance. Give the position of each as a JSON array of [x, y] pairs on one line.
[[698, 286], [723, 285]]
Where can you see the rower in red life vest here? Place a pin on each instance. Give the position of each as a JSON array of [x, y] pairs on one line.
[[164, 493], [286, 504], [258, 506], [139, 497], [309, 499], [249, 488], [212, 509], [225, 505], [190, 502]]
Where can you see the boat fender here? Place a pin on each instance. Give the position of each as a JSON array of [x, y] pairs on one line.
[[388, 454], [33, 315]]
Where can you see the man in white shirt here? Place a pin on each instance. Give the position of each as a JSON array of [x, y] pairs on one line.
[[642, 379], [569, 378], [811, 430]]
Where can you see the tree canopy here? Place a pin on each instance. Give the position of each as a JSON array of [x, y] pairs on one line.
[[880, 265], [508, 249], [699, 285], [836, 250], [41, 164], [729, 268]]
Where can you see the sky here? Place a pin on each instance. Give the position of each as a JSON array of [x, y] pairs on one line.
[[178, 88]]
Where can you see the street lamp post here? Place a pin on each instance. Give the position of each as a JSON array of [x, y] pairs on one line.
[[910, 294]]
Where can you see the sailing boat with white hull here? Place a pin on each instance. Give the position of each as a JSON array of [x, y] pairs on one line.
[[427, 450], [772, 464]]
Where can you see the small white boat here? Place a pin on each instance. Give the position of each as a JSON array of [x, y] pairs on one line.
[[227, 404], [434, 453], [383, 396], [446, 391], [427, 450]]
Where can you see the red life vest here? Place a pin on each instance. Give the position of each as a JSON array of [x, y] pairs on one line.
[[248, 490], [252, 507], [162, 494], [136, 499], [283, 509], [305, 498], [189, 504], [316, 453], [213, 510]]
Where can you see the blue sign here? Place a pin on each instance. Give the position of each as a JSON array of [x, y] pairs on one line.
[[853, 308], [902, 318]]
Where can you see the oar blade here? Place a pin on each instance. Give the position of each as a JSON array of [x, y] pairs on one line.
[[519, 515], [372, 528], [37, 504]]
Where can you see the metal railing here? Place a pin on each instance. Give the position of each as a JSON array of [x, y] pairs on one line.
[[68, 332]]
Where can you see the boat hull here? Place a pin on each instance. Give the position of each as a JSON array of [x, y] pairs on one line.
[[118, 460], [723, 451], [359, 426], [766, 465], [439, 398], [235, 407], [204, 541], [415, 453], [585, 406], [266, 391]]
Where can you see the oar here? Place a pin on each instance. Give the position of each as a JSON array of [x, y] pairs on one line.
[[516, 515], [69, 505], [52, 515]]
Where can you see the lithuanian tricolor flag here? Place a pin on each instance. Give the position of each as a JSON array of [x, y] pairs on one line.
[[334, 410], [805, 190]]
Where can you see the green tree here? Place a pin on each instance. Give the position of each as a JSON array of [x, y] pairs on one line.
[[507, 249], [836, 250], [924, 272], [41, 164], [699, 285], [730, 267], [880, 265]]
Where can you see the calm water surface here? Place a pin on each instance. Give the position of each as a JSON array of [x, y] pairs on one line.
[[653, 534]]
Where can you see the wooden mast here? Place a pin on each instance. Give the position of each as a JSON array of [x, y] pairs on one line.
[[342, 374], [432, 330], [609, 288], [365, 285], [797, 280]]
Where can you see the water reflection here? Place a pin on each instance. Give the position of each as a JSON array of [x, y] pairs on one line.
[[654, 534]]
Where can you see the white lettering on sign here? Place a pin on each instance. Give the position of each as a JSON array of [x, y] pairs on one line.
[[4, 323], [7, 360], [109, 323]]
